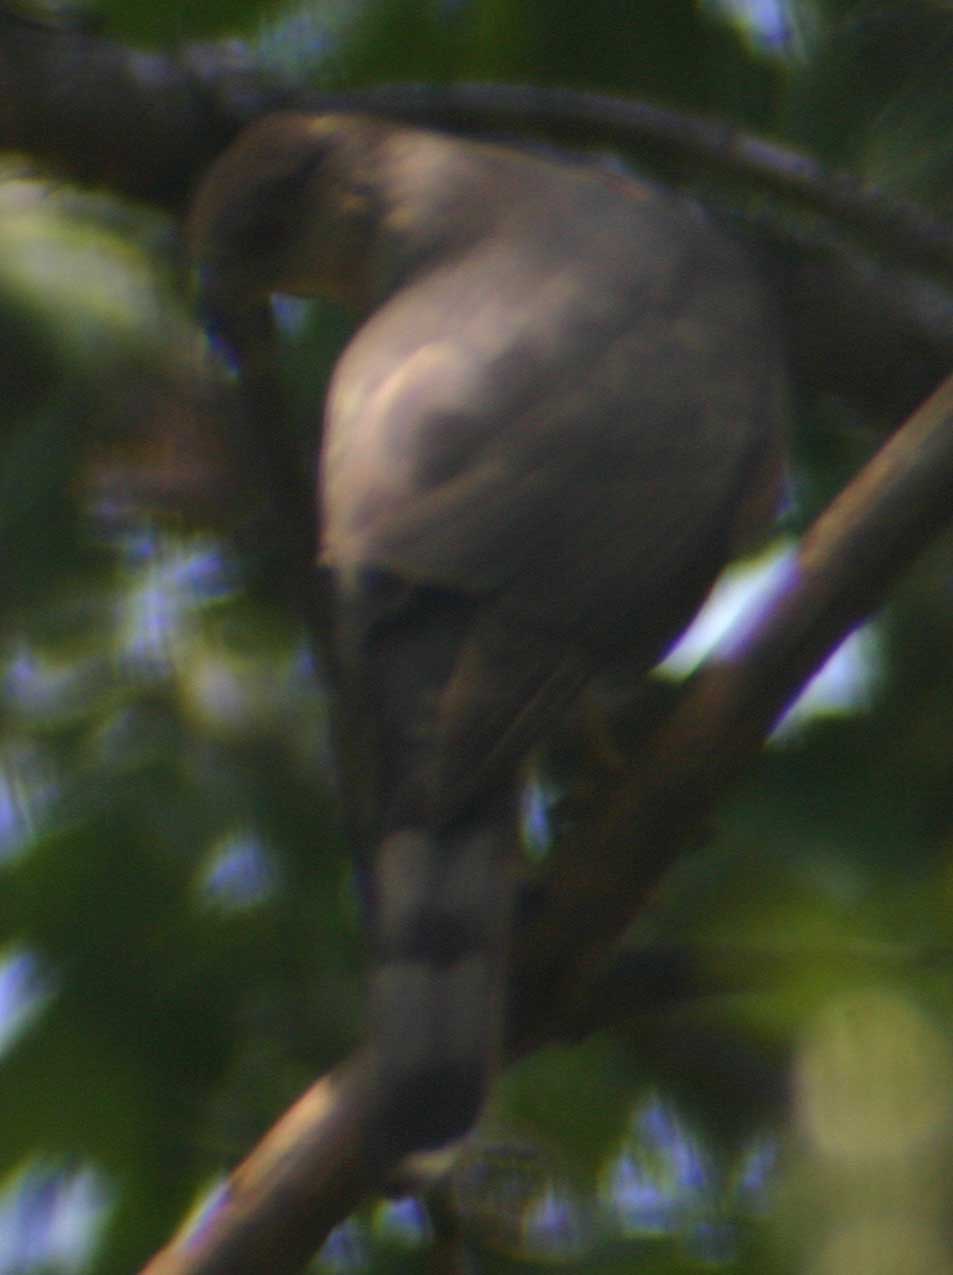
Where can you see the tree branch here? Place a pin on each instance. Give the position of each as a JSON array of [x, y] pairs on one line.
[[147, 125], [843, 571], [304, 1177], [655, 979], [906, 231], [308, 1173]]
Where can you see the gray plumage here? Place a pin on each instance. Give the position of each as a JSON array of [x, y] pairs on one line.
[[560, 411]]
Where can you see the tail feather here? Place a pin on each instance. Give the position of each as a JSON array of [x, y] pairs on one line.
[[441, 931]]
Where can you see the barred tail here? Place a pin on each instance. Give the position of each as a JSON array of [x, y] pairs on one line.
[[441, 925]]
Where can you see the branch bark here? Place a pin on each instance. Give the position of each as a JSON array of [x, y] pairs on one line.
[[907, 232], [842, 572], [304, 1177], [308, 1173], [147, 125]]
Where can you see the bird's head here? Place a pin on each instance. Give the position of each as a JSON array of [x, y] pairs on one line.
[[289, 207]]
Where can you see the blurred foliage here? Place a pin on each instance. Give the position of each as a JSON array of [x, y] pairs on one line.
[[874, 92], [179, 941]]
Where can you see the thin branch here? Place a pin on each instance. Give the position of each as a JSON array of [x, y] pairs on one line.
[[845, 568], [307, 1174], [147, 124], [652, 980], [138, 123], [304, 1177], [909, 233]]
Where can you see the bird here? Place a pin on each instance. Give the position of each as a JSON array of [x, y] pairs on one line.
[[559, 414]]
